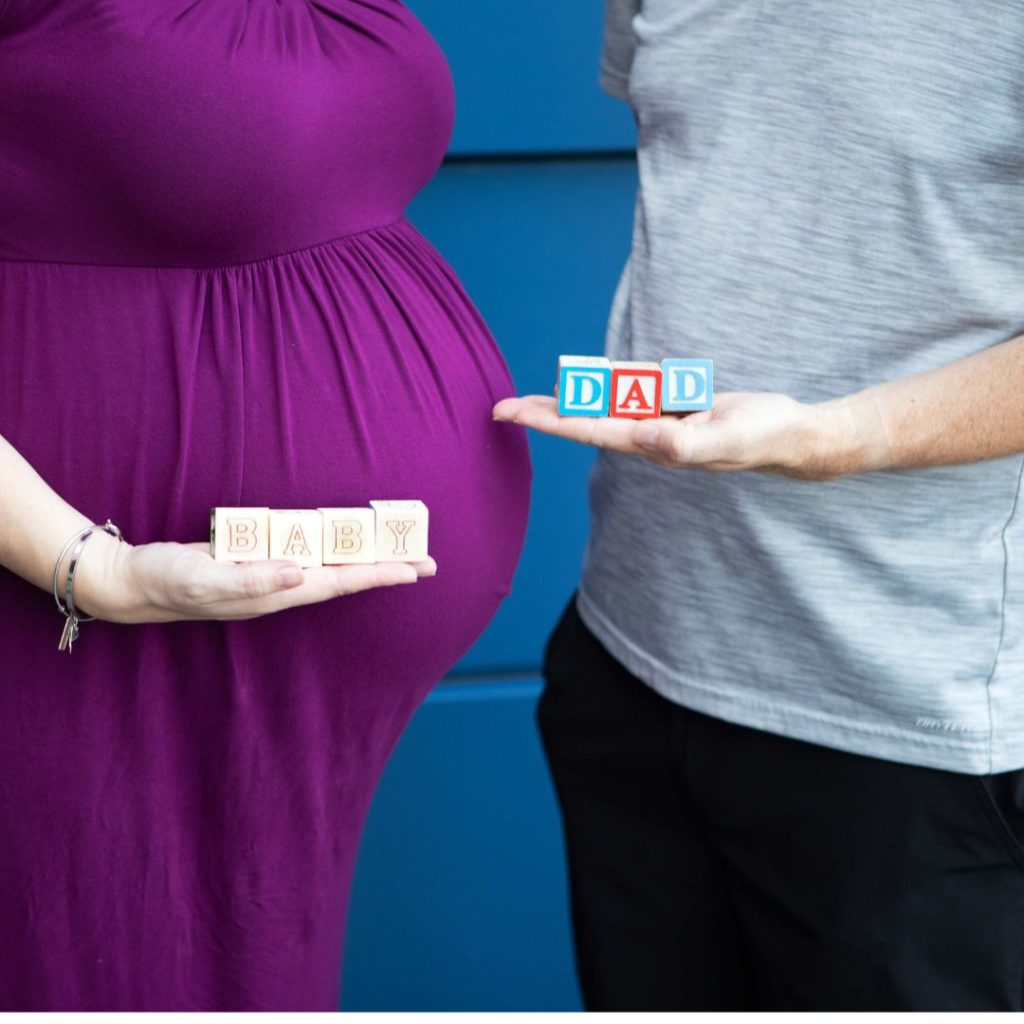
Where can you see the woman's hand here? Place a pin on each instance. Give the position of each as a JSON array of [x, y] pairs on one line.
[[745, 430], [166, 582]]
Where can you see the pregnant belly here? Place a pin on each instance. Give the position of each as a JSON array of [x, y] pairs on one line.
[[343, 373]]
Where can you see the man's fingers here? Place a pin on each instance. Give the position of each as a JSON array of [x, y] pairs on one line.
[[667, 440], [511, 408], [678, 442], [517, 410], [507, 408], [538, 412]]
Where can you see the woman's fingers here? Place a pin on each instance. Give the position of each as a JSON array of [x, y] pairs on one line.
[[228, 581], [325, 583], [201, 587]]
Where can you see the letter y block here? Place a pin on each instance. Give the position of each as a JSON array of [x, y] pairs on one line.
[[401, 530]]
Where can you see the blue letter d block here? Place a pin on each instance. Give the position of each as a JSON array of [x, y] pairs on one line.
[[584, 390], [687, 384]]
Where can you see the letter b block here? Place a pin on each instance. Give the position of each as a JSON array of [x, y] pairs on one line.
[[349, 536], [584, 385], [636, 390], [688, 384], [297, 535], [401, 530], [240, 534]]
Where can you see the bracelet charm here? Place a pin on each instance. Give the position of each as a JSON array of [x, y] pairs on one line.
[[69, 634]]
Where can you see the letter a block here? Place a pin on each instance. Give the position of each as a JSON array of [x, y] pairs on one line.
[[688, 384], [240, 534], [401, 530], [584, 385], [297, 535], [349, 536], [636, 390]]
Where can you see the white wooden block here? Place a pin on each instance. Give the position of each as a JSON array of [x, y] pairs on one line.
[[297, 535], [240, 534], [349, 536], [401, 530]]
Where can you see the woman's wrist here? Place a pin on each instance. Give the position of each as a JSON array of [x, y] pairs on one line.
[[102, 581]]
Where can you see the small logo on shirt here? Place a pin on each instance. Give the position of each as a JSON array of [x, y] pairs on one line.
[[935, 723]]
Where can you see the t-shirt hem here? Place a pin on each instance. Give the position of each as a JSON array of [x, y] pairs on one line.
[[886, 742]]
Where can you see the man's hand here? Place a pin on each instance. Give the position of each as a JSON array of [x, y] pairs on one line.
[[966, 411], [745, 430]]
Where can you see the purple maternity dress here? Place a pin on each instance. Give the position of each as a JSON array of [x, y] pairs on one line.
[[209, 296]]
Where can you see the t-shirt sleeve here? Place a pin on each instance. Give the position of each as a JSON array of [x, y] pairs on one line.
[[619, 44]]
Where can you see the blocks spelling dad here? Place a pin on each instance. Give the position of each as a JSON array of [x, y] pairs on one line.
[[594, 386], [387, 531]]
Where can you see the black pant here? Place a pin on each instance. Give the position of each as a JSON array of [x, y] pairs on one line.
[[718, 867]]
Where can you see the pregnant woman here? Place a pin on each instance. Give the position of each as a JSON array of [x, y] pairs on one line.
[[209, 296]]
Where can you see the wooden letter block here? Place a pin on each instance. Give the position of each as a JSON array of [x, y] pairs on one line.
[[636, 390], [240, 534], [349, 536], [297, 535], [688, 384], [401, 530], [584, 385]]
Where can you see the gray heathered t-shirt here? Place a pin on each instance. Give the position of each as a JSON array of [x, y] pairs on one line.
[[831, 195]]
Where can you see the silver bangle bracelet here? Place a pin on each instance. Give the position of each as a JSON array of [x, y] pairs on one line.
[[67, 607]]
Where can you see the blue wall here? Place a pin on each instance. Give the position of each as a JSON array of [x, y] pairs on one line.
[[460, 888], [460, 898], [525, 75]]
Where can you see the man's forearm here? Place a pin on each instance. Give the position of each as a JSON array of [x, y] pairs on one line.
[[967, 411]]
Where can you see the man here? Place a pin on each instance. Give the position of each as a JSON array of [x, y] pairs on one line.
[[785, 712]]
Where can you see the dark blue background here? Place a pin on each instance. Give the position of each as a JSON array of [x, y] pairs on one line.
[[460, 897]]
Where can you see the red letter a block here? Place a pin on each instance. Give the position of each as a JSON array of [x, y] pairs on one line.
[[636, 390]]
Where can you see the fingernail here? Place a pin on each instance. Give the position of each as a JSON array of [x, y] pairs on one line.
[[289, 577], [646, 435]]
